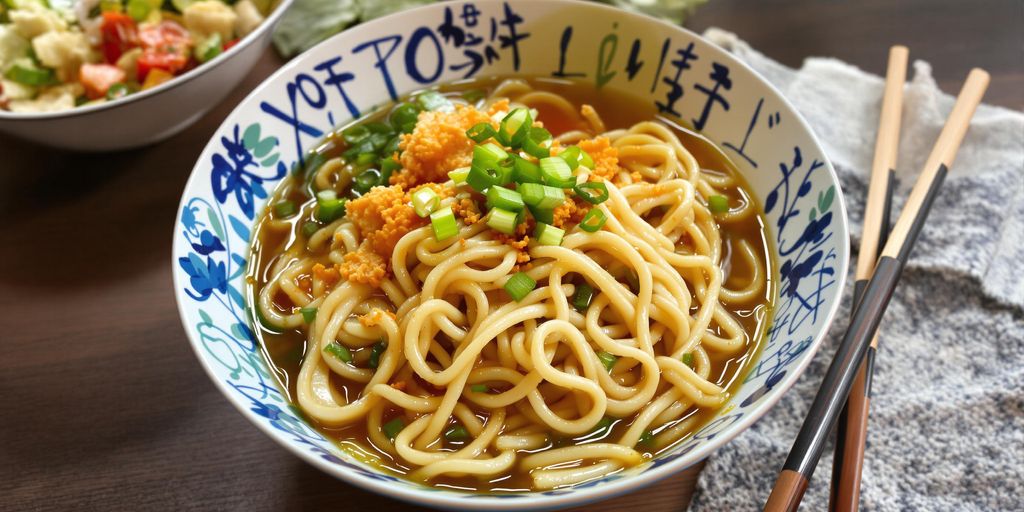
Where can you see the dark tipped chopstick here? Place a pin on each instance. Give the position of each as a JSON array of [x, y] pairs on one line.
[[821, 418], [851, 435]]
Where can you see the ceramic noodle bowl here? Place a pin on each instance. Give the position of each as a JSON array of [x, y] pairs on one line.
[[678, 74]]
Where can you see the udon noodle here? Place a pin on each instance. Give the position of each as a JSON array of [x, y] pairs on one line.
[[538, 394]]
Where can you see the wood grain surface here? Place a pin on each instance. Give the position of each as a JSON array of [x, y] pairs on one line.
[[102, 403]]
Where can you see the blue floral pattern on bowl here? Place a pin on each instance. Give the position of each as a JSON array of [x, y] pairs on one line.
[[683, 76]]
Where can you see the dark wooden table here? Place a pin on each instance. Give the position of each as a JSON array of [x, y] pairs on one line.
[[102, 404]]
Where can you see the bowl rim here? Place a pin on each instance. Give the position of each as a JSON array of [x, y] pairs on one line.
[[534, 500], [268, 23]]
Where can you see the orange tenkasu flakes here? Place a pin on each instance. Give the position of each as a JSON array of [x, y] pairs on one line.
[[606, 157], [383, 216], [437, 145], [363, 266]]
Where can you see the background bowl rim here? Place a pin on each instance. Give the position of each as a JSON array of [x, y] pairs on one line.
[[267, 24], [533, 500]]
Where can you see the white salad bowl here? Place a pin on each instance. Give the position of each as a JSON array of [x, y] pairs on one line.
[[147, 116], [371, 64]]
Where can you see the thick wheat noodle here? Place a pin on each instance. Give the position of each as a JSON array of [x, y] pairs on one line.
[[453, 329]]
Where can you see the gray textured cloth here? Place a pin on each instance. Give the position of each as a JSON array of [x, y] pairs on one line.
[[947, 409]]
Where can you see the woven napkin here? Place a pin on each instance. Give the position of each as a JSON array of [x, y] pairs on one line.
[[947, 407]]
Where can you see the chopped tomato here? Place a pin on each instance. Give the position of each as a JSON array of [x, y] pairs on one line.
[[119, 34], [227, 46], [97, 78], [155, 78], [166, 46], [150, 60]]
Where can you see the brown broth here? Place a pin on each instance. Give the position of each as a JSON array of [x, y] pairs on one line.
[[284, 350]]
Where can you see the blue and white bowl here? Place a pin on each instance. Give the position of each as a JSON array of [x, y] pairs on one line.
[[351, 73]]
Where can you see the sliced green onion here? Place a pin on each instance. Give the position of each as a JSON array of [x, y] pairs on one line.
[[391, 147], [488, 156], [404, 117], [284, 209], [482, 179], [354, 134], [308, 314], [515, 127], [393, 427], [366, 158], [459, 175], [502, 220], [139, 10], [206, 50], [593, 220], [556, 172], [387, 167], [457, 433], [546, 234], [25, 72], [366, 180], [646, 438], [309, 228], [379, 127], [607, 359], [593, 192], [525, 171], [338, 350], [425, 201], [541, 196], [718, 204], [534, 149], [443, 223], [582, 296], [118, 90], [688, 359], [586, 160], [329, 206], [480, 388], [375, 352], [506, 172], [571, 155], [480, 132], [545, 215], [433, 100], [501, 197], [519, 286], [474, 95]]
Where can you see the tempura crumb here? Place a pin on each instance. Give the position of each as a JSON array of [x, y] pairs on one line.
[[437, 145], [383, 216], [606, 158], [327, 275], [466, 210], [569, 212], [363, 266]]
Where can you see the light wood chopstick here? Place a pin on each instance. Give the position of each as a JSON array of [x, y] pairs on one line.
[[821, 418], [851, 435]]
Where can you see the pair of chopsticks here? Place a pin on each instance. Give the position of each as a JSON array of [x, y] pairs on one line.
[[876, 281]]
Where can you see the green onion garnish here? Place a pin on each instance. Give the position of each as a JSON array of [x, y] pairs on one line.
[[593, 220], [480, 132], [205, 51], [425, 201], [308, 314], [646, 438], [393, 427], [366, 158], [688, 359], [571, 155], [391, 147], [404, 117], [375, 352], [515, 127], [329, 206], [501, 197], [488, 156], [474, 95], [592, 192], [546, 234], [479, 388], [482, 179], [379, 127], [24, 71], [582, 296], [718, 204], [607, 359], [338, 350], [502, 220], [537, 144], [459, 175], [541, 196], [443, 223], [364, 182], [545, 215], [118, 90], [433, 100], [556, 172], [586, 160], [354, 134], [525, 171], [457, 433], [519, 286], [387, 167], [284, 209], [309, 228]]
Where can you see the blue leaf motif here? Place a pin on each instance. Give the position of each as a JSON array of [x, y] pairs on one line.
[[805, 188], [205, 277], [239, 227], [188, 219], [232, 175], [235, 296], [770, 201], [208, 243], [251, 137]]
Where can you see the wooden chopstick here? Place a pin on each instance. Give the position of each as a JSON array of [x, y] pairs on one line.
[[821, 418], [851, 435]]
